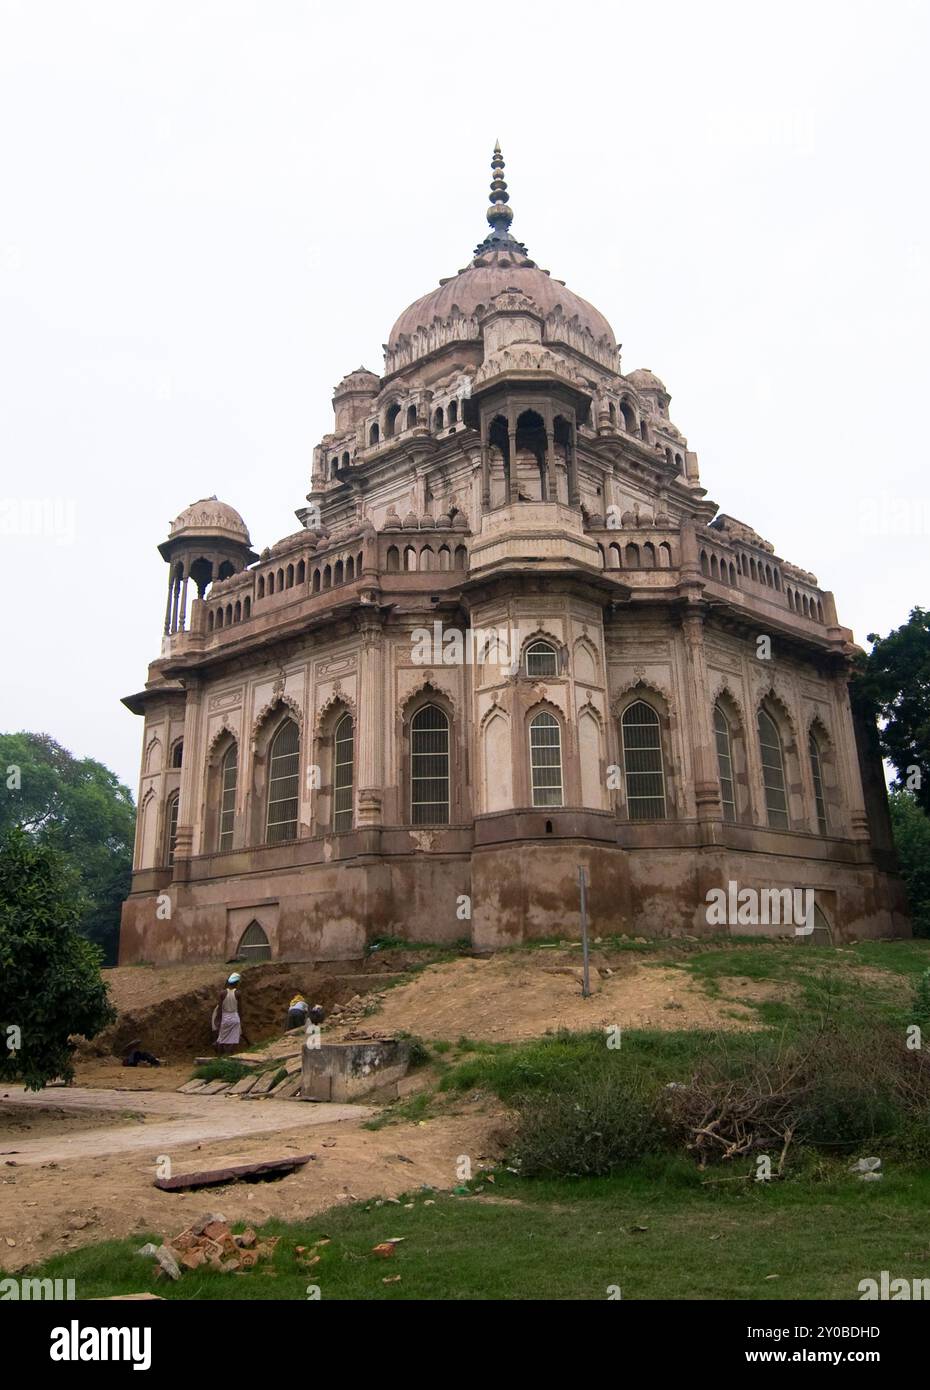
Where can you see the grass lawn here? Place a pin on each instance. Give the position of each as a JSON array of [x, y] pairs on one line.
[[575, 1239]]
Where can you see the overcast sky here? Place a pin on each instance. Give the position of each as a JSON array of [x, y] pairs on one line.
[[209, 212]]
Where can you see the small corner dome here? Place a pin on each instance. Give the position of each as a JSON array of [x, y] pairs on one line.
[[361, 379], [645, 380], [210, 517]]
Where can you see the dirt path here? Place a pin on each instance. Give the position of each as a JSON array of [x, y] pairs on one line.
[[96, 1191], [168, 1121]]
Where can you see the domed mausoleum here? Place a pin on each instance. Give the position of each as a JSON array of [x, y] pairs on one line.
[[511, 638]]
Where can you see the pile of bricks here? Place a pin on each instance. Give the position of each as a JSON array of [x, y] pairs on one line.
[[210, 1242]]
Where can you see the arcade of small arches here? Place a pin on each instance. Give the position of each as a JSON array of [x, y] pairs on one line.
[[421, 558], [634, 556], [394, 419]]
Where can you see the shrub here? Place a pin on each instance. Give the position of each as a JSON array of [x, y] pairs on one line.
[[920, 1006], [598, 1127]]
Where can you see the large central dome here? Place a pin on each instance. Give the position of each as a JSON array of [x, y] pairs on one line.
[[500, 263]]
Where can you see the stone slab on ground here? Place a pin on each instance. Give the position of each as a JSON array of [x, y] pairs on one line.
[[263, 1085], [190, 1088], [243, 1085], [214, 1088], [287, 1088]]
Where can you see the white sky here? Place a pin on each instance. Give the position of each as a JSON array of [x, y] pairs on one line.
[[209, 212]]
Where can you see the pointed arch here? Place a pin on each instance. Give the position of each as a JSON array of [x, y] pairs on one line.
[[497, 760]]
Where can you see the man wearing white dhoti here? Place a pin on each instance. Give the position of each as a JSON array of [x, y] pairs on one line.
[[226, 1021]]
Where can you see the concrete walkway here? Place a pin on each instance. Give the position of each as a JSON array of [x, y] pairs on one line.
[[170, 1120]]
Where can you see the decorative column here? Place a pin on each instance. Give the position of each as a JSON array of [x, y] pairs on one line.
[[703, 742], [485, 476], [170, 603], [187, 840], [370, 729], [848, 760], [571, 459], [182, 616], [512, 489]]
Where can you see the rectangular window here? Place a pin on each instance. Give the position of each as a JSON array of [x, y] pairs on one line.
[[724, 764], [343, 759], [546, 760], [642, 761], [773, 773], [429, 767], [173, 805], [283, 785], [818, 786], [228, 798]]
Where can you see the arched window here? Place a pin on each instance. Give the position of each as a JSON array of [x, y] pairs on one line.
[[283, 784], [177, 753], [171, 826], [725, 763], [393, 559], [346, 460], [429, 767], [629, 417], [453, 412], [261, 587], [546, 760], [302, 572], [438, 418], [343, 765], [817, 775], [642, 762], [374, 434], [773, 772], [229, 773], [411, 417], [542, 659], [390, 420], [253, 944], [612, 412]]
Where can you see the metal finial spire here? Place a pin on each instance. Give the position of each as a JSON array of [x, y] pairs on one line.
[[500, 215]]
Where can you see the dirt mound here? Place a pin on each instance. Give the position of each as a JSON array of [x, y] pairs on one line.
[[176, 1023], [509, 997]]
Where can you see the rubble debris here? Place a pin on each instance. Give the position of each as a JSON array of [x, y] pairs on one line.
[[209, 1242]]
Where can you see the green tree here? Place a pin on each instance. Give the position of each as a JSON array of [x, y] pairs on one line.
[[894, 686], [50, 983], [911, 827], [79, 807]]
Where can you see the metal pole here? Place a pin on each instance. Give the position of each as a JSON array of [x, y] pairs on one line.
[[582, 884]]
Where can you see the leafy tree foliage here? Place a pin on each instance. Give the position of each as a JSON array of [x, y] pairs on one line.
[[50, 983], [911, 828], [80, 808], [894, 685]]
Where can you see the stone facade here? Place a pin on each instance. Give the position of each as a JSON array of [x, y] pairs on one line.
[[511, 637]]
